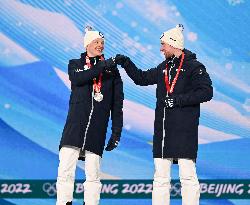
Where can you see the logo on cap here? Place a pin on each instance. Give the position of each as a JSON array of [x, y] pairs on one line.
[[172, 39], [162, 35], [101, 34]]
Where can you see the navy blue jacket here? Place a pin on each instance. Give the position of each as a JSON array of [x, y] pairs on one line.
[[176, 135], [87, 119]]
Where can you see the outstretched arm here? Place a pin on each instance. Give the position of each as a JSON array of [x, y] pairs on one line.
[[140, 77]]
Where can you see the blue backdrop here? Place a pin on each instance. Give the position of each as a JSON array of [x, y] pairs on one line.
[[38, 37]]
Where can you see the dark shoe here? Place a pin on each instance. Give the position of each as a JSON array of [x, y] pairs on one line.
[[69, 203]]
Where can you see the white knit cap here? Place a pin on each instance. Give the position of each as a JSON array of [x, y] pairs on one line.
[[174, 37], [91, 35]]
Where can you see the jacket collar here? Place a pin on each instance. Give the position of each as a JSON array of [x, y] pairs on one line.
[[92, 59]]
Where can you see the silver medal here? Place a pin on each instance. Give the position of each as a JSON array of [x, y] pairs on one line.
[[98, 97]]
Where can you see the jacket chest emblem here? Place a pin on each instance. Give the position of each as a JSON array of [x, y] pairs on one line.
[[182, 70], [78, 70]]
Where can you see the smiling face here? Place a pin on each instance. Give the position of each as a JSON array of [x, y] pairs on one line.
[[95, 48], [167, 50]]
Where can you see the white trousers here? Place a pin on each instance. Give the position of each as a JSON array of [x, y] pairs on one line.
[[68, 157], [190, 189]]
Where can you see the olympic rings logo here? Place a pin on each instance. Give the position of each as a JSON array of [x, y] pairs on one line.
[[49, 188], [175, 189]]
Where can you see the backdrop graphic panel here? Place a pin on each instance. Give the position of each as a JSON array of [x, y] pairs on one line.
[[37, 38]]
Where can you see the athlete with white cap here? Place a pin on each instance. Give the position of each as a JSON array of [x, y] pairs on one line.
[[182, 85], [96, 91]]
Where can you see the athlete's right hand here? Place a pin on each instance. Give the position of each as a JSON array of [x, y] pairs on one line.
[[121, 59]]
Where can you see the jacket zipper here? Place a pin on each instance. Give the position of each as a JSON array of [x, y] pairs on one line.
[[163, 132], [90, 116], [164, 117]]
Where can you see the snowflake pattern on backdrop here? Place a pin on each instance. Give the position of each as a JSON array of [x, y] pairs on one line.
[[235, 2]]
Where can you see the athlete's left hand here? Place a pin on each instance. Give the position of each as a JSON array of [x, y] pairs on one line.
[[113, 142]]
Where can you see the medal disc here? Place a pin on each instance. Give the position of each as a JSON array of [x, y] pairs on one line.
[[98, 97], [86, 67]]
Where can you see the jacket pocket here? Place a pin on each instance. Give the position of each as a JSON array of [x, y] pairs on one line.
[[77, 98], [78, 111]]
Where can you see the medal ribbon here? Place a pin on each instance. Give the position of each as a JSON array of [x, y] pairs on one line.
[[170, 88], [97, 85]]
